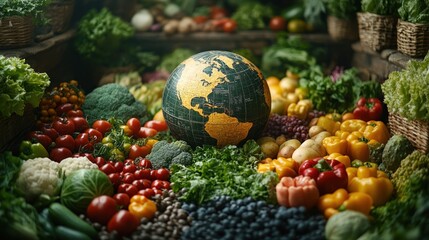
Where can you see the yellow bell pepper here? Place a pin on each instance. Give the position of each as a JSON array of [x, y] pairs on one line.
[[301, 92], [141, 206], [328, 124], [340, 200], [376, 130], [300, 109], [284, 167], [344, 159], [342, 134], [334, 116], [334, 144], [352, 125], [370, 181], [357, 147]]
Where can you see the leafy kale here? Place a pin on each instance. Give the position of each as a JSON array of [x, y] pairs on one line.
[[381, 7], [415, 11], [227, 171], [343, 9]]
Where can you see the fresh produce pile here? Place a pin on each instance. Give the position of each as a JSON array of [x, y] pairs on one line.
[[102, 165]]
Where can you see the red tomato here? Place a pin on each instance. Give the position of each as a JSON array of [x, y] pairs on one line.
[[88, 155], [157, 191], [39, 136], [119, 166], [101, 209], [75, 113], [108, 168], [115, 179], [122, 199], [129, 161], [63, 125], [127, 188], [102, 126], [160, 184], [63, 109], [142, 173], [138, 151], [142, 183], [83, 142], [134, 125], [129, 168], [218, 12], [147, 192], [162, 174], [158, 125], [47, 129], [95, 136], [123, 222], [60, 153], [100, 161], [143, 162], [229, 26], [128, 178], [66, 141], [146, 132], [152, 174], [278, 23], [80, 123]]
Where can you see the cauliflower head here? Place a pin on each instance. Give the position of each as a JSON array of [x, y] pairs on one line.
[[39, 176], [68, 165]]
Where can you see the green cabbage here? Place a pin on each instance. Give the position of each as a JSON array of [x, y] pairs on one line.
[[81, 186], [346, 225]]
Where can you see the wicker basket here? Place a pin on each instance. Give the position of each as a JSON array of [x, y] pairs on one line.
[[60, 14], [416, 131], [376, 31], [16, 31], [413, 39], [341, 29]]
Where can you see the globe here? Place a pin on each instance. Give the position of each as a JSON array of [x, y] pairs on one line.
[[216, 98]]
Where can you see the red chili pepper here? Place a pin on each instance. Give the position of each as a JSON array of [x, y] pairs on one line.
[[368, 109], [329, 175]]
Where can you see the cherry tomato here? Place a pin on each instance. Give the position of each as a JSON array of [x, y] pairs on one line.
[[119, 166], [100, 161], [152, 174], [162, 174], [66, 141], [63, 125], [108, 168], [39, 136], [143, 162], [129, 161], [229, 26], [127, 188], [60, 153], [102, 126], [157, 191], [146, 132], [134, 125], [147, 192], [138, 151], [87, 155], [142, 183], [83, 142], [95, 136], [158, 125], [115, 179], [101, 209], [123, 222], [278, 23], [122, 199], [128, 178], [129, 168], [63, 109], [75, 113], [160, 184], [127, 130], [80, 123]]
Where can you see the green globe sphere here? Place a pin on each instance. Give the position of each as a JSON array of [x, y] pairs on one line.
[[216, 98]]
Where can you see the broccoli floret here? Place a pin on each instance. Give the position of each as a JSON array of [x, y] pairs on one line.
[[184, 158], [113, 100], [163, 153]]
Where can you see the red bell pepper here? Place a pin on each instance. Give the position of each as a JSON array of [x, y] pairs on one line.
[[329, 175], [368, 109]]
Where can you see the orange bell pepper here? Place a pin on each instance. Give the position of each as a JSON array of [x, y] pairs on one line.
[[141, 206], [341, 200], [298, 191], [371, 181], [357, 147], [344, 159], [376, 130], [334, 144]]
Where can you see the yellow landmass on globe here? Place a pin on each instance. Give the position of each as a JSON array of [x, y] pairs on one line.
[[227, 130]]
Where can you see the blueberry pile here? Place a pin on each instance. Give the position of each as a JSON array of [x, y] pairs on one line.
[[226, 218]]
